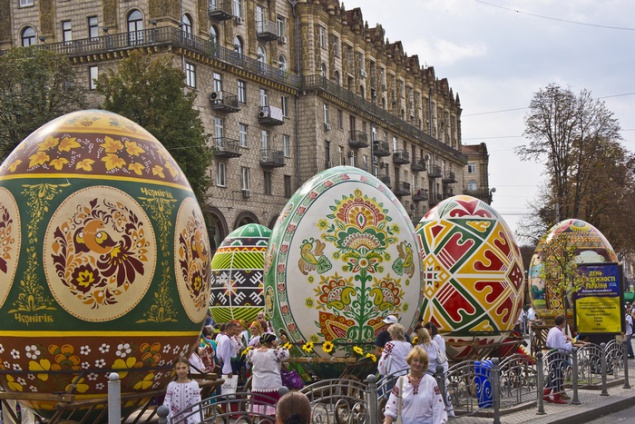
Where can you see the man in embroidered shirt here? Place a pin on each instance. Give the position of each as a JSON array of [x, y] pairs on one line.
[[560, 347], [226, 349]]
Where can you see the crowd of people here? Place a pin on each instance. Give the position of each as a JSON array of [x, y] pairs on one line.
[[237, 349]]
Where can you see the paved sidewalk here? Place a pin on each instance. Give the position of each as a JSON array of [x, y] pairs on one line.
[[592, 406]]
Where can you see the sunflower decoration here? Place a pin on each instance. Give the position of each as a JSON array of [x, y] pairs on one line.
[[358, 350], [246, 350], [287, 346], [328, 347], [371, 357], [308, 347], [415, 340]]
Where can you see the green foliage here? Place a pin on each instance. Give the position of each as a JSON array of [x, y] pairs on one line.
[[36, 87], [152, 92]]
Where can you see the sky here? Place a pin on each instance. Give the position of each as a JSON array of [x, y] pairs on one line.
[[496, 54]]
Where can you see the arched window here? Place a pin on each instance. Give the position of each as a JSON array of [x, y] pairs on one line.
[[213, 35], [282, 63], [323, 70], [135, 28], [262, 55], [361, 91], [186, 26], [28, 37], [238, 45], [336, 76]]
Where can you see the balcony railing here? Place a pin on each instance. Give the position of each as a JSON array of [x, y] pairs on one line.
[[385, 179], [170, 36], [435, 198], [266, 30], [418, 165], [402, 189], [381, 148], [434, 171], [448, 177], [224, 102], [419, 194], [400, 157], [357, 139], [270, 115], [226, 148], [272, 158], [220, 10]]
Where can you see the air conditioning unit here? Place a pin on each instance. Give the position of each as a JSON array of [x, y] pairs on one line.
[[246, 193], [282, 39], [265, 112], [327, 127], [216, 96], [239, 20], [362, 73]]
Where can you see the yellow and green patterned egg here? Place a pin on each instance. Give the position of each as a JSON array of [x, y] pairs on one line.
[[341, 257], [591, 248], [472, 275], [105, 260], [238, 274]]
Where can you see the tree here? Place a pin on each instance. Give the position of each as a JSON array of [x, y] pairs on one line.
[[586, 167], [152, 92], [36, 87]]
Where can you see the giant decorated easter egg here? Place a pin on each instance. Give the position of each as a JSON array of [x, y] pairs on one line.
[[238, 274], [342, 256], [105, 260], [590, 247], [473, 275]]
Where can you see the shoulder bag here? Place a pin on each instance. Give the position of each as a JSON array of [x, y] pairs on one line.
[[398, 420], [441, 356]]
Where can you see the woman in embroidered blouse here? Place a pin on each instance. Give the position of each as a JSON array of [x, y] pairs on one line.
[[266, 381], [432, 349], [393, 357], [183, 395], [421, 400]]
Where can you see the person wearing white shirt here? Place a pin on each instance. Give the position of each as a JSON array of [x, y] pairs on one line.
[[628, 321], [226, 349], [560, 345], [531, 318]]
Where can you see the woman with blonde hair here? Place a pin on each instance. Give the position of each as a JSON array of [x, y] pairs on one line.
[[393, 357], [421, 400], [432, 349]]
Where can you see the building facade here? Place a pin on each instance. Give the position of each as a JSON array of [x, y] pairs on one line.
[[286, 88], [476, 172]]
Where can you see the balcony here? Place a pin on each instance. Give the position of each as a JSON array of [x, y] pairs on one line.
[[435, 198], [381, 148], [363, 166], [226, 148], [222, 101], [385, 179], [357, 139], [419, 195], [479, 193], [418, 165], [400, 157], [219, 10], [270, 115], [402, 189], [266, 30], [434, 171], [448, 177], [272, 158]]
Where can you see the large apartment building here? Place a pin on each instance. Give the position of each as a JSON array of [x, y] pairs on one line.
[[286, 88]]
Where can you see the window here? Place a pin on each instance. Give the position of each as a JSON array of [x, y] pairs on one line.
[[267, 183], [264, 139], [186, 26], [336, 77], [242, 91], [260, 19], [28, 37], [287, 186], [323, 70], [326, 113], [238, 9], [135, 27], [284, 102], [286, 145], [244, 172], [25, 3], [67, 32], [263, 97], [93, 74], [281, 26], [471, 185], [190, 75], [262, 57], [327, 152], [340, 119], [93, 27], [219, 131], [218, 82], [471, 168], [242, 131], [213, 35], [282, 64], [322, 36], [340, 156], [238, 46], [336, 46], [220, 174]]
